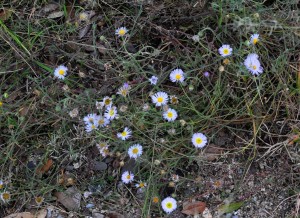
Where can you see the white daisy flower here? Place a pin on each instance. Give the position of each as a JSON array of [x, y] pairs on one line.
[[107, 101], [160, 98], [5, 196], [199, 140], [153, 80], [1, 184], [101, 121], [103, 148], [127, 177], [141, 184], [110, 113], [254, 39], [225, 50], [124, 90], [89, 127], [90, 118], [169, 204], [177, 75], [125, 134], [39, 200], [60, 72], [170, 115], [253, 65], [135, 151], [121, 31]]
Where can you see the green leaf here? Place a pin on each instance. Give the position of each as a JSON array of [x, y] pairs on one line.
[[228, 208]]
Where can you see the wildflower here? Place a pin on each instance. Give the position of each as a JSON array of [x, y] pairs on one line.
[[206, 74], [83, 16], [175, 178], [153, 80], [101, 121], [5, 196], [217, 184], [127, 177], [225, 50], [141, 185], [99, 105], [135, 151], [169, 204], [199, 140], [254, 39], [170, 115], [121, 31], [124, 90], [160, 98], [146, 107], [177, 75], [1, 184], [60, 72], [110, 113], [39, 200], [173, 99], [125, 134], [89, 127], [90, 118], [103, 148], [226, 61], [107, 101], [253, 65], [74, 113], [155, 199]]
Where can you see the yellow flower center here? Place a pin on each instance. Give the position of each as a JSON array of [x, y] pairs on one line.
[[124, 92], [122, 32], [142, 185], [101, 122], [1, 186], [255, 40], [91, 119], [128, 176], [102, 145], [135, 150], [160, 99], [107, 101], [124, 133], [169, 205], [111, 112], [170, 114], [155, 199], [199, 140], [226, 61], [83, 16], [1, 103], [6, 196], [93, 126], [61, 72], [178, 76], [39, 200], [226, 51], [254, 67]]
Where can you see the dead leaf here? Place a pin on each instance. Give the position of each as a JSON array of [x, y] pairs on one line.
[[56, 14], [40, 214], [45, 168], [24, 110], [70, 198], [5, 14], [83, 31], [101, 48], [193, 208], [112, 214]]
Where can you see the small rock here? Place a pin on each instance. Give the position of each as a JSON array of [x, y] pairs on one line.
[[99, 166], [70, 198]]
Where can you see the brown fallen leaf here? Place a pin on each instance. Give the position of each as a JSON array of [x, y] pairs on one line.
[[46, 167], [212, 152], [70, 198], [55, 15], [193, 208], [40, 214]]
